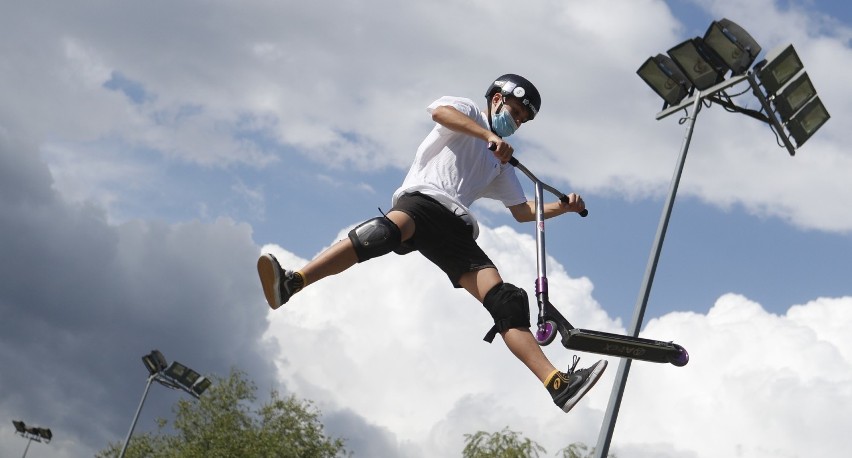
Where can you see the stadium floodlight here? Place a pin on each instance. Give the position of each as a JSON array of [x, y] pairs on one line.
[[807, 121], [788, 103], [732, 44], [155, 362], [698, 63], [176, 370], [174, 376], [665, 78], [794, 96], [45, 433], [184, 376], [32, 433], [201, 385], [779, 67]]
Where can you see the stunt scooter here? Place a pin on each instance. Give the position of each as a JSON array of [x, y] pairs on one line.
[[551, 322]]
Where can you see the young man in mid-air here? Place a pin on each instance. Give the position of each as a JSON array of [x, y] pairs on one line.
[[454, 167]]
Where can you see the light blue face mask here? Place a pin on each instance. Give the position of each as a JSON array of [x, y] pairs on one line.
[[503, 123]]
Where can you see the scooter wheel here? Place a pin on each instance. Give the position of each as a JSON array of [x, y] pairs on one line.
[[681, 358], [546, 333]]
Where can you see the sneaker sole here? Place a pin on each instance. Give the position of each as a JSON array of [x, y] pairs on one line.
[[270, 280], [594, 375]]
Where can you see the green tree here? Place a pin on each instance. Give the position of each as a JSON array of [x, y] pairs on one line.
[[511, 444], [503, 444], [223, 424], [580, 450]]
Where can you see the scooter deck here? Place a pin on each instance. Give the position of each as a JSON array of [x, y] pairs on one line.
[[625, 346]]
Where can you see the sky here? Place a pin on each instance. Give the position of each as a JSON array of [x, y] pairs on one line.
[[150, 151]]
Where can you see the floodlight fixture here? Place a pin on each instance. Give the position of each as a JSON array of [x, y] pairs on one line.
[[174, 375], [732, 44], [155, 362], [176, 370], [32, 433], [665, 78], [779, 67], [794, 96], [807, 121], [700, 64], [189, 378], [201, 386], [43, 433]]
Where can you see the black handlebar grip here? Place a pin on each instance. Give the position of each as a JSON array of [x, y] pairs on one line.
[[584, 212]]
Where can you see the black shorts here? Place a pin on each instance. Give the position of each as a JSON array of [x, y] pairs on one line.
[[442, 237]]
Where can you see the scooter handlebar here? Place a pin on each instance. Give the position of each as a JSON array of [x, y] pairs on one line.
[[563, 197]]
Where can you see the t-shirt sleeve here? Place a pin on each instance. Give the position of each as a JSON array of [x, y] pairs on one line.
[[464, 105], [507, 188]]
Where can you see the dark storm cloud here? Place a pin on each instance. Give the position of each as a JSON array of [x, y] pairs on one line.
[[82, 300]]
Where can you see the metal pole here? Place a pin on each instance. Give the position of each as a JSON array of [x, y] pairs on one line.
[[30, 441], [136, 417], [605, 437]]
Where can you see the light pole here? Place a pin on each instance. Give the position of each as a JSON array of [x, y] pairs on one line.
[[32, 433], [175, 376], [696, 68]]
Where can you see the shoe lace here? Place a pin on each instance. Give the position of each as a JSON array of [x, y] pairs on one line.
[[573, 365]]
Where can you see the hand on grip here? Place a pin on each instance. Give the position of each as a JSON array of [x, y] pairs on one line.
[[584, 212]]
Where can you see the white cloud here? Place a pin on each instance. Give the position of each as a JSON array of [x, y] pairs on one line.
[[241, 88], [233, 88], [393, 342]]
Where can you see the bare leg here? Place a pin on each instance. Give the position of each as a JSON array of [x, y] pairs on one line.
[[341, 255], [521, 342]]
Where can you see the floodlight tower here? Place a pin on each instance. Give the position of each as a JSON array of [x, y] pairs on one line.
[[692, 75], [32, 433], [175, 376]]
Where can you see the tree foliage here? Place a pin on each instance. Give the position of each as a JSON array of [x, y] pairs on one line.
[[503, 444], [224, 424], [511, 444]]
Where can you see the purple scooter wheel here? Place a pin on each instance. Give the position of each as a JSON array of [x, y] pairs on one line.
[[681, 358], [546, 333]]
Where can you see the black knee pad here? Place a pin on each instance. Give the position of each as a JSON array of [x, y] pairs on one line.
[[376, 237], [509, 307]]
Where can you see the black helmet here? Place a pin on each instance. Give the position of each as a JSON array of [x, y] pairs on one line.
[[511, 85]]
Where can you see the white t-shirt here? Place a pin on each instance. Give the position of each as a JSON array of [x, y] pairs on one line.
[[456, 169]]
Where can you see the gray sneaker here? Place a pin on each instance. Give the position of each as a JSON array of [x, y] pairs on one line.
[[567, 388], [278, 284]]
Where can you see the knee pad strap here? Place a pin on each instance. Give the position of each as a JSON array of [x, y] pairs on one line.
[[509, 307], [376, 237]]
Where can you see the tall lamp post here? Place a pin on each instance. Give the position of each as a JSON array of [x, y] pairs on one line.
[[175, 376], [692, 75], [32, 433]]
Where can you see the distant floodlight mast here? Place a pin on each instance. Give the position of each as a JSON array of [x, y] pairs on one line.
[[175, 376], [704, 63], [32, 433]]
